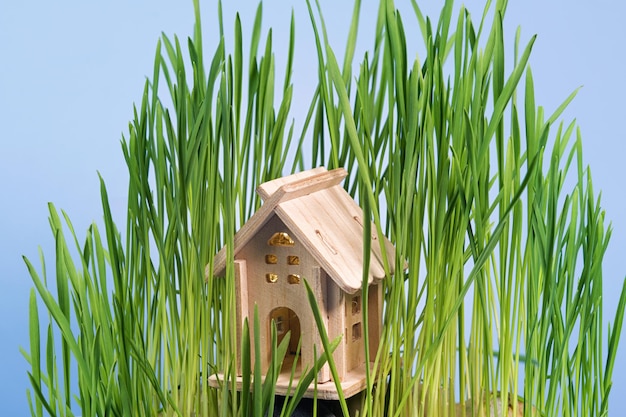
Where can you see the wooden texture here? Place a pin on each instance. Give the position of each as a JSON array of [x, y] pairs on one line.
[[309, 228], [353, 383], [335, 306], [375, 316], [241, 305], [318, 285], [302, 182], [325, 219], [353, 333]]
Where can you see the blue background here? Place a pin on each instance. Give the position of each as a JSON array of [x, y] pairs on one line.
[[70, 72]]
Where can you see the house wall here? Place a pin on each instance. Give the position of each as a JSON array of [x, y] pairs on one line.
[[375, 317], [335, 310], [345, 312], [355, 348], [280, 290]]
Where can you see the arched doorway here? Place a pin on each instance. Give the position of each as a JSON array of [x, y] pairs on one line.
[[286, 320]]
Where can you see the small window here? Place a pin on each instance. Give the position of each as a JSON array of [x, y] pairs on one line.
[[293, 278], [356, 305], [281, 239], [271, 259], [293, 260], [356, 331], [272, 278]]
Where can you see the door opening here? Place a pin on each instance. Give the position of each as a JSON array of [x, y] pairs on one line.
[[286, 320]]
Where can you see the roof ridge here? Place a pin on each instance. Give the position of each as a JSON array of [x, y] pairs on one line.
[[302, 183]]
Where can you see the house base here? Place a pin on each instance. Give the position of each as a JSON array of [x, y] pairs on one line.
[[353, 383]]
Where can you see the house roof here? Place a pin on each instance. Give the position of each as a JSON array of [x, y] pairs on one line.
[[324, 218]]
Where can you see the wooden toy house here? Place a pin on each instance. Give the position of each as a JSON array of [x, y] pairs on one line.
[[309, 227]]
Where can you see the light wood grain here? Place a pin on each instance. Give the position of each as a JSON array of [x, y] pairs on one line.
[[241, 305], [268, 188], [325, 229], [353, 383], [335, 307], [327, 221]]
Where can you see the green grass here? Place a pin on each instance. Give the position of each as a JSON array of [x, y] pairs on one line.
[[484, 194]]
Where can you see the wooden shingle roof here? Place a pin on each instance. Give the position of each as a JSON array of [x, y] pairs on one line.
[[324, 218]]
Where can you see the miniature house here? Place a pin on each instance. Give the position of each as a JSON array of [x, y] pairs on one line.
[[309, 228]]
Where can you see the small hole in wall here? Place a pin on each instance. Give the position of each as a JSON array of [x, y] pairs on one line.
[[356, 331], [356, 305]]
